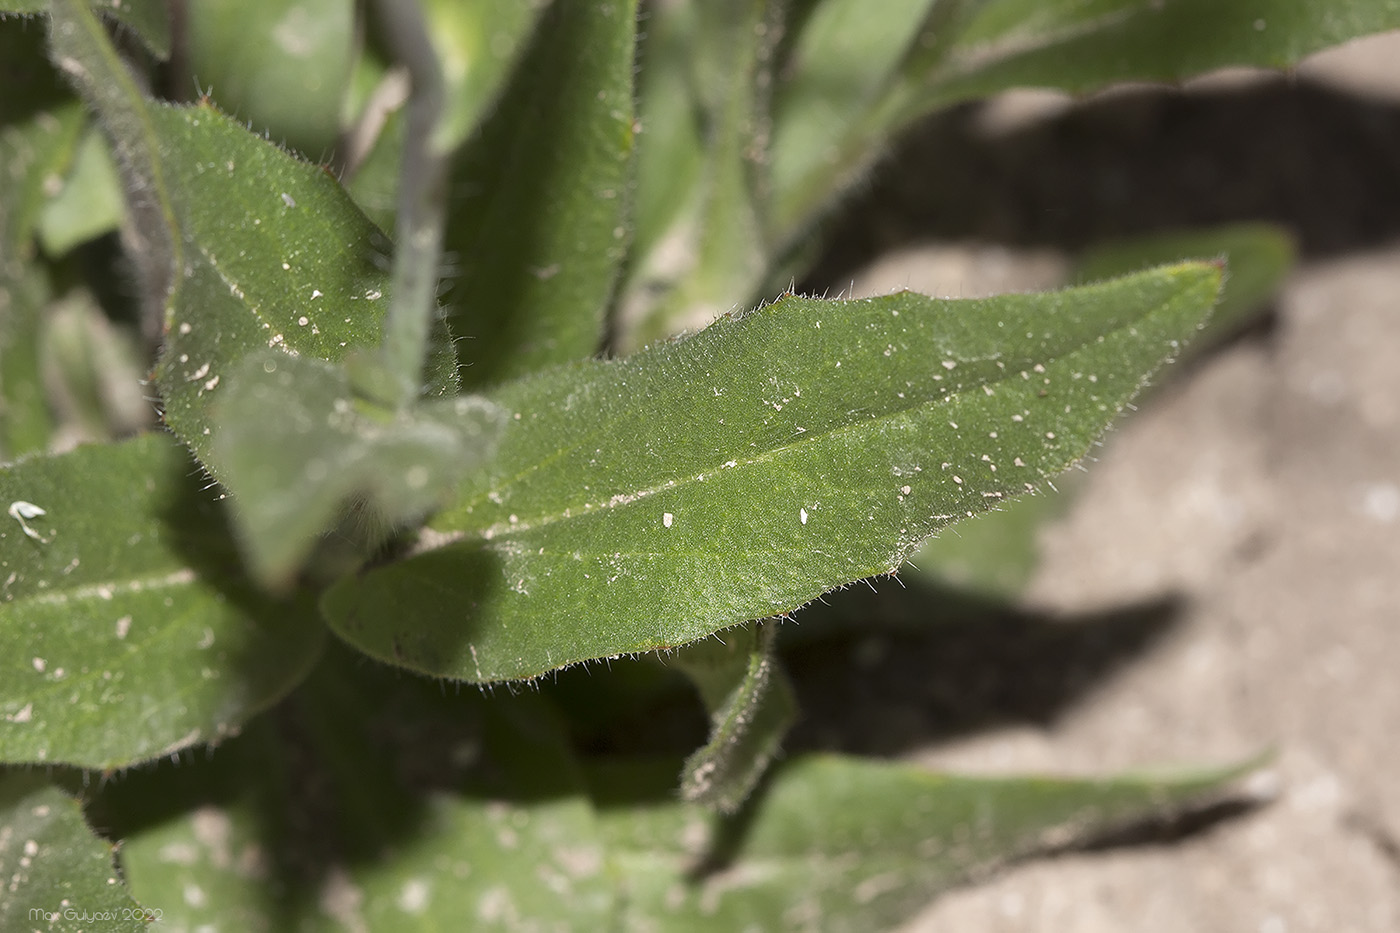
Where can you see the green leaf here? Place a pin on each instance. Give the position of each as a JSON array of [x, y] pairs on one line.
[[281, 65], [670, 148], [841, 844], [126, 631], [270, 251], [430, 811], [839, 66], [751, 707], [721, 233], [297, 447], [90, 203], [1257, 258], [539, 230], [971, 50], [59, 875], [650, 501]]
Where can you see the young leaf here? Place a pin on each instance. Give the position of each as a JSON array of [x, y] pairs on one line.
[[126, 632], [297, 446], [59, 875], [751, 706], [539, 227], [650, 501], [842, 844]]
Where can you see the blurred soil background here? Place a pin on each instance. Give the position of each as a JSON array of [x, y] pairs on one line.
[[1227, 577]]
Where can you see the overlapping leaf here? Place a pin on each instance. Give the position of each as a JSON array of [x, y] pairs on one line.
[[650, 501], [435, 809], [251, 250], [839, 844], [126, 630], [298, 446]]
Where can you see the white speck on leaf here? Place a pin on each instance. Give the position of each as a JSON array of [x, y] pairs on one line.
[[802, 514], [39, 664], [123, 626], [667, 518], [20, 510], [287, 200], [24, 715]]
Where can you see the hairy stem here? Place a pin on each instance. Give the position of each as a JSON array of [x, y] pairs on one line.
[[422, 210]]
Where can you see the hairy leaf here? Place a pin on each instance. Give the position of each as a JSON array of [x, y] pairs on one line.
[[126, 630], [538, 228], [841, 844], [650, 501], [59, 875], [255, 249], [262, 252]]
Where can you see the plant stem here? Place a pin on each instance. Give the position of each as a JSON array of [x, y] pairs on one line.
[[422, 208]]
